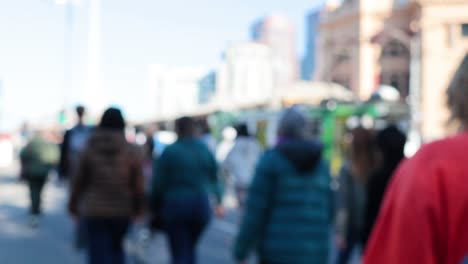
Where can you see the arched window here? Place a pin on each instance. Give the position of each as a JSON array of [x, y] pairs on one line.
[[340, 70], [395, 66], [395, 49]]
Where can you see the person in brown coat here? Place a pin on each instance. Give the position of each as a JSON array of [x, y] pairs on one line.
[[107, 189]]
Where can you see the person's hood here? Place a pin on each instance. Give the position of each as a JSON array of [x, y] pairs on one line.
[[106, 141], [305, 155]]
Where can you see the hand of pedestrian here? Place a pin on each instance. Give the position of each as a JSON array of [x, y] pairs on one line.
[[219, 211]]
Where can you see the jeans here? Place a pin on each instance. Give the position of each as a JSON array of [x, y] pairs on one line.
[[184, 220], [36, 184], [105, 239]]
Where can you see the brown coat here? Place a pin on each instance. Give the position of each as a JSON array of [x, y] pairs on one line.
[[109, 180]]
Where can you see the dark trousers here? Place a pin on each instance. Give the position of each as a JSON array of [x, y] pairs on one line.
[[105, 240], [81, 234], [344, 255], [36, 184], [184, 220]]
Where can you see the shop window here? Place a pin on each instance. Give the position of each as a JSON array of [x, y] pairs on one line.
[[465, 30]]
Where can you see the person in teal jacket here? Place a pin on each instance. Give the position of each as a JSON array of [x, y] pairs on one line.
[[288, 214], [186, 176]]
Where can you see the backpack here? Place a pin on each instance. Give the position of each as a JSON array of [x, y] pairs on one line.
[[38, 158]]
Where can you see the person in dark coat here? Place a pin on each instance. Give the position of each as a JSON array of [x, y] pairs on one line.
[[351, 194], [390, 144], [74, 141], [107, 191]]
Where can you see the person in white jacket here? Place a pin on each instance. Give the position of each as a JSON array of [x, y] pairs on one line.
[[241, 161]]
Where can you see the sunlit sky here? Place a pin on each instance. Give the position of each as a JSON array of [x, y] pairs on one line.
[[135, 33]]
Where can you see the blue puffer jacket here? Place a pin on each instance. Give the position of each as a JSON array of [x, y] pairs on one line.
[[289, 207]]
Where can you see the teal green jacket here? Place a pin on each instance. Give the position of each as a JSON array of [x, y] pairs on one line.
[[185, 168], [289, 205]]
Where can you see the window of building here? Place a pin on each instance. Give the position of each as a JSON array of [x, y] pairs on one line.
[[465, 30], [395, 49]]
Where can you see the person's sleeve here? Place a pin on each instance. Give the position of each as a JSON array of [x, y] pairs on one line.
[[342, 214], [63, 161], [161, 169], [406, 231], [138, 184], [78, 184], [25, 154], [257, 210], [216, 183]]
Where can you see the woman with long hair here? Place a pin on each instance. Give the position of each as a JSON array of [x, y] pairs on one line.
[[353, 178], [107, 189]]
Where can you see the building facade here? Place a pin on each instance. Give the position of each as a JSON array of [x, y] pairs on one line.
[[207, 88], [308, 62], [278, 33], [173, 91], [413, 45], [246, 77]]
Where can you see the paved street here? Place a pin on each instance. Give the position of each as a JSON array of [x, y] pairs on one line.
[[52, 241]]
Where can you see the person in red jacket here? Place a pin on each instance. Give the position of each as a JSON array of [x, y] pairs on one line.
[[424, 218]]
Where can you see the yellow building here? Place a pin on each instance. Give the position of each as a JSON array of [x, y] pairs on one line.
[[414, 45]]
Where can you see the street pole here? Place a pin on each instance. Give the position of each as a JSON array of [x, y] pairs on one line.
[[68, 56]]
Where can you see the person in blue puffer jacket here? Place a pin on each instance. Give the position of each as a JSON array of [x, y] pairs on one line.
[[288, 214]]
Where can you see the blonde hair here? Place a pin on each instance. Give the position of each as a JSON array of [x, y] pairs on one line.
[[458, 95]]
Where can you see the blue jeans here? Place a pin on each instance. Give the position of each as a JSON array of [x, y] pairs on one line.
[[105, 239], [184, 220]]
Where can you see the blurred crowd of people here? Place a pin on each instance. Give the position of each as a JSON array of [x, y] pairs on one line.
[[387, 208]]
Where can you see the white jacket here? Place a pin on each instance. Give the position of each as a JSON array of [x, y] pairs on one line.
[[241, 161]]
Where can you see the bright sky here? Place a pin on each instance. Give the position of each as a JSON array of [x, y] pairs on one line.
[[134, 34]]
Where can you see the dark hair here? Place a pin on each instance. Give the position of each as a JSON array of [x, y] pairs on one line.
[[458, 94], [242, 130], [361, 152], [292, 124], [112, 119], [204, 126], [80, 111], [391, 143], [185, 127]]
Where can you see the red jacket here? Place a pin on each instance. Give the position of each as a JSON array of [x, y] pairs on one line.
[[424, 218]]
